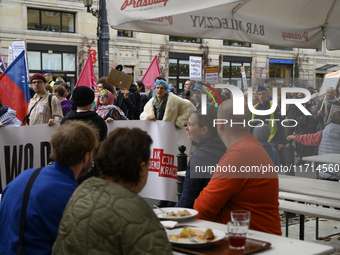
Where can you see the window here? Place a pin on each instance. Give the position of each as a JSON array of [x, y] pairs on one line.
[[124, 33], [279, 48], [54, 21], [319, 79], [185, 39], [236, 43], [179, 69], [232, 70], [60, 59], [282, 70]]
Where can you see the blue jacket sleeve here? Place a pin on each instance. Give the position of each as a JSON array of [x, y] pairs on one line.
[[191, 187]]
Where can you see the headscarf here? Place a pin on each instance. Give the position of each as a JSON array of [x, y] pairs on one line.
[[103, 110]]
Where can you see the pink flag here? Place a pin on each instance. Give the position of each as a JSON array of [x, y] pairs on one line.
[[86, 77], [151, 74]]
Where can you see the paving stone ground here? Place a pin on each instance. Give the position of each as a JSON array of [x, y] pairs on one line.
[[326, 227]]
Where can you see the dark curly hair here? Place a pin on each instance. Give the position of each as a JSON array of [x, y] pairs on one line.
[[120, 155], [109, 87], [141, 84]]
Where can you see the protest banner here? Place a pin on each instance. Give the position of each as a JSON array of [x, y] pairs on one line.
[[22, 148], [28, 147], [334, 108], [119, 79], [244, 78], [10, 55], [211, 74], [195, 68], [18, 47], [331, 81]]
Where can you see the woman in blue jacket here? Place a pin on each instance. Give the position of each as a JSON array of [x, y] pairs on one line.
[[209, 150]]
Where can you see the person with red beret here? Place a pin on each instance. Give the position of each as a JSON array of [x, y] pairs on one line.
[[43, 108]]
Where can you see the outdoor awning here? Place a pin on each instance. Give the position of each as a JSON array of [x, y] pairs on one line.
[[289, 23], [325, 67]]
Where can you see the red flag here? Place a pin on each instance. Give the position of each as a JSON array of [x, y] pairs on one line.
[[86, 77], [151, 74]]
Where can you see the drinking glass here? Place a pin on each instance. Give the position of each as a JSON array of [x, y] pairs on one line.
[[237, 236], [238, 229]]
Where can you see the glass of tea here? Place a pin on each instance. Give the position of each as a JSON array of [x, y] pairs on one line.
[[237, 236], [238, 229]]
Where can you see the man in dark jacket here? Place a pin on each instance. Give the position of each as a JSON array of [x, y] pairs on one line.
[[82, 98], [127, 101]]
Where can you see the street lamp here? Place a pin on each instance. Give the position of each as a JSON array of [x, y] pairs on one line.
[[103, 36]]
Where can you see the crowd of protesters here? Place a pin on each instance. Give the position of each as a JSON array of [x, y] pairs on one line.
[[122, 158]]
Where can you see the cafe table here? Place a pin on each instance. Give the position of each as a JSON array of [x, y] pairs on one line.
[[309, 187], [322, 159], [279, 245], [322, 192]]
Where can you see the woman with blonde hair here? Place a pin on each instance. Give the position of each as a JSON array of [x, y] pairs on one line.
[[106, 109]]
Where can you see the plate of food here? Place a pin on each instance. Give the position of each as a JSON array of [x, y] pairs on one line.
[[194, 236], [175, 213]]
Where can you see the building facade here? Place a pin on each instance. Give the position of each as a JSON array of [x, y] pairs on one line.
[[59, 34]]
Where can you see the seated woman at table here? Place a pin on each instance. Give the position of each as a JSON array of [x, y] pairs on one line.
[[105, 215], [329, 143], [209, 151]]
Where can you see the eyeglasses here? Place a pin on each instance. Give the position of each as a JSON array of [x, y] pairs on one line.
[[103, 96], [37, 82]]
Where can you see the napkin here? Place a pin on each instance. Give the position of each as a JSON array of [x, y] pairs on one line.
[[169, 223]]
